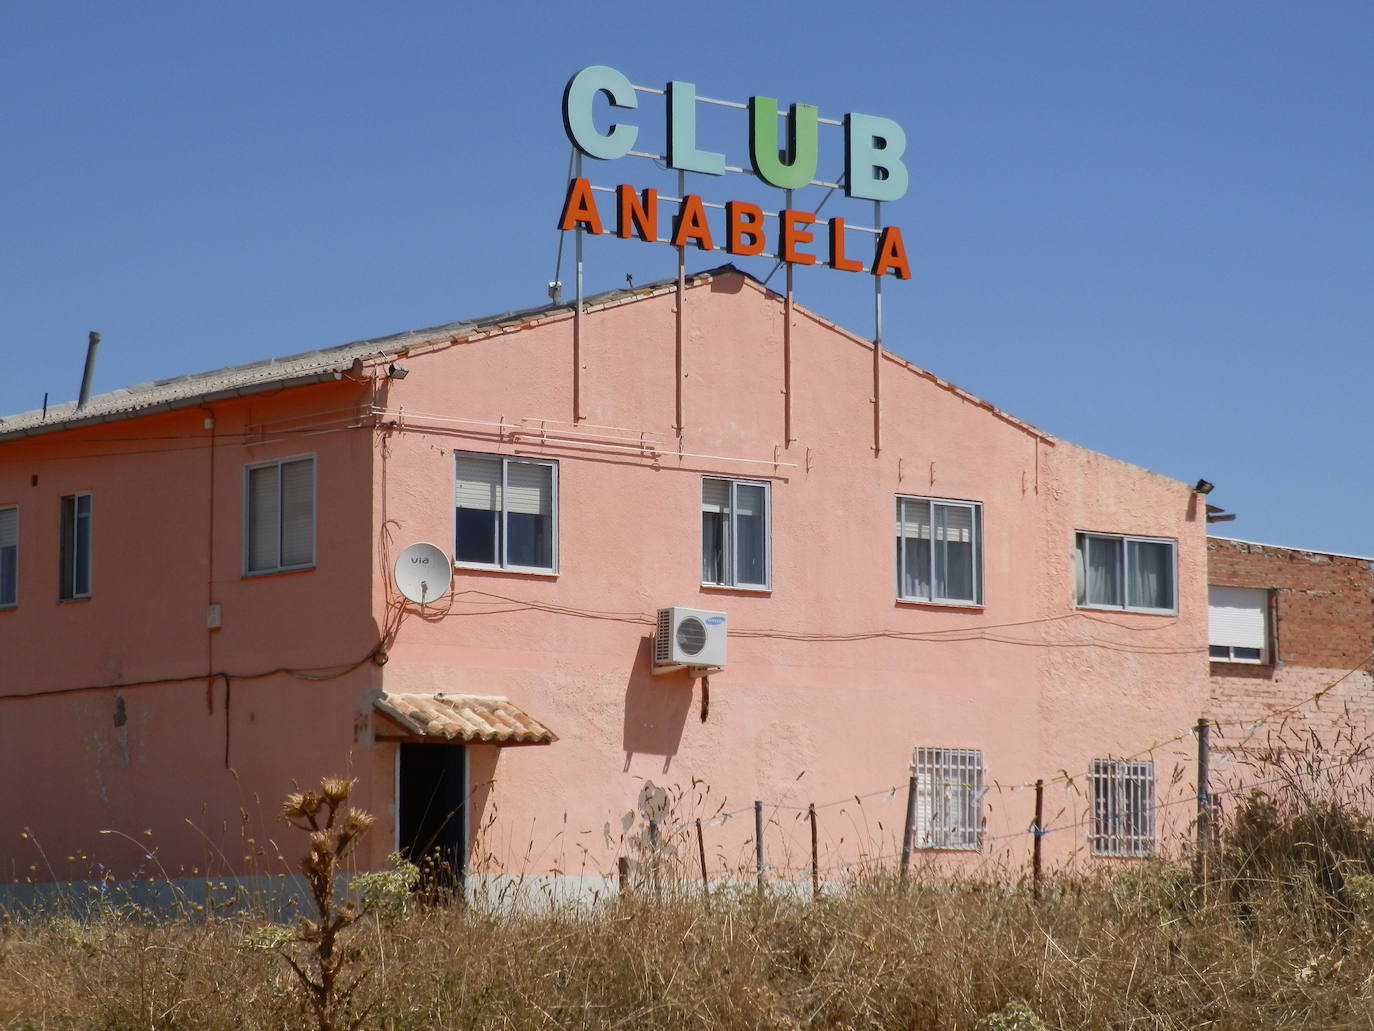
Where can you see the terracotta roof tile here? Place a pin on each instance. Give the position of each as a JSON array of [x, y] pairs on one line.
[[467, 718]]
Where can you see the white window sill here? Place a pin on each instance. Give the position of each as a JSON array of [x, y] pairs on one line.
[[253, 574], [481, 567], [973, 605], [1127, 608], [1241, 662], [751, 588]]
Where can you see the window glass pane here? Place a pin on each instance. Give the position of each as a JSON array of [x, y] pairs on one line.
[[751, 534], [913, 548], [81, 581], [298, 513], [9, 555], [264, 520], [1250, 654], [713, 528], [64, 586], [1218, 651], [9, 575], [478, 536], [954, 560], [1151, 565], [529, 515], [1102, 571]]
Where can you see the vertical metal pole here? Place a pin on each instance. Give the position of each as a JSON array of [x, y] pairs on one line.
[[577, 320], [758, 842], [1204, 800], [877, 343], [815, 853], [787, 350], [909, 826], [622, 866], [701, 853], [1038, 830], [681, 302], [653, 859]]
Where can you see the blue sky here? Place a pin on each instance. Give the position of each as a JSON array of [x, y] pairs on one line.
[[1145, 228]]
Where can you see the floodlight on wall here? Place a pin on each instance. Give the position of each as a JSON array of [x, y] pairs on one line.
[[397, 371], [1202, 487]]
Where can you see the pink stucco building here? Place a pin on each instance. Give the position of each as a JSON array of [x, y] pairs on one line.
[[197, 604]]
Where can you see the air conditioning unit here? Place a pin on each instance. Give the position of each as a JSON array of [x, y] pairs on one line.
[[689, 637]]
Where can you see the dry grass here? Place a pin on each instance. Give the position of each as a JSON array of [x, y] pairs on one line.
[[1137, 951]]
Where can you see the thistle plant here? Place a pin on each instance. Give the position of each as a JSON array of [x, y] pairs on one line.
[[320, 966]]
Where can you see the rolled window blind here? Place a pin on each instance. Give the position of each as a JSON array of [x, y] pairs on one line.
[[957, 523], [478, 484], [748, 499], [1236, 616], [263, 518], [715, 495], [913, 519], [529, 488], [298, 512], [9, 527]]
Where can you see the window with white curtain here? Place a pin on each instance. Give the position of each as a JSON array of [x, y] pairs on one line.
[[74, 556], [939, 551], [1132, 573], [1123, 801], [279, 516], [9, 557], [949, 798], [506, 513], [1238, 624], [734, 533]]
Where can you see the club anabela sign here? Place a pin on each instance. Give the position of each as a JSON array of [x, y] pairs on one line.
[[873, 171]]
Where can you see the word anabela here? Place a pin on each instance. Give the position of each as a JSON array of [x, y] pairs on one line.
[[873, 171]]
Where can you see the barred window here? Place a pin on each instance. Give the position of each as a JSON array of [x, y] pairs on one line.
[[949, 798], [1123, 795]]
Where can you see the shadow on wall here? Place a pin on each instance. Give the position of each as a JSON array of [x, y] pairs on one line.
[[656, 708]]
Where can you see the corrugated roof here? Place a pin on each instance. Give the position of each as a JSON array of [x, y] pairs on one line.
[[296, 369], [473, 719]]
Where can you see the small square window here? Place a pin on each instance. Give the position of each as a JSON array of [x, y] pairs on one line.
[[9, 557], [1238, 624], [506, 513], [1123, 801], [735, 533], [1131, 573], [279, 516], [939, 551], [949, 798], [74, 577]]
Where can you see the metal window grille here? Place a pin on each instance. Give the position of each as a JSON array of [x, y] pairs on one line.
[[949, 798], [1123, 794]]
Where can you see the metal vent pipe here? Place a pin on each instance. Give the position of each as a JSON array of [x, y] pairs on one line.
[[86, 376]]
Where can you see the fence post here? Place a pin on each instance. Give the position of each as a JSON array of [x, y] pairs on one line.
[[909, 827], [1204, 801], [653, 860], [758, 841], [815, 854], [1038, 830], [701, 852], [622, 866]]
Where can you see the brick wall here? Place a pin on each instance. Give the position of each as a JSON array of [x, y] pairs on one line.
[[1324, 610]]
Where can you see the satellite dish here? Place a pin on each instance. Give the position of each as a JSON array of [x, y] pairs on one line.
[[423, 573]]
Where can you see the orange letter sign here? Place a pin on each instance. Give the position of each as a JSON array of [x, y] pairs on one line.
[[891, 256], [635, 217], [744, 221], [580, 208], [691, 225]]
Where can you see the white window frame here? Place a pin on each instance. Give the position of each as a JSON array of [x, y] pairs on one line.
[[503, 563], [15, 603], [1266, 635], [1124, 571], [248, 571], [976, 522], [732, 581], [942, 824], [1122, 797], [66, 589]]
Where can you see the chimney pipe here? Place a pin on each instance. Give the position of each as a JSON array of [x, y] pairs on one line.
[[91, 348]]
